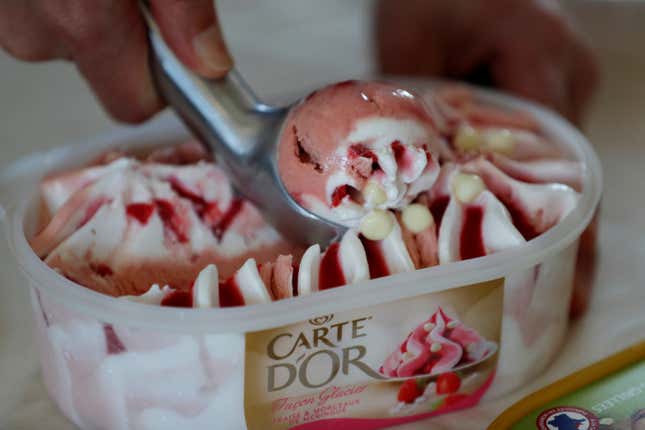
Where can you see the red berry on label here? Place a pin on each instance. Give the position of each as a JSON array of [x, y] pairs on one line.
[[409, 391], [448, 383], [454, 400]]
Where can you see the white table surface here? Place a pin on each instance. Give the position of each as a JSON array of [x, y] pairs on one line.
[[305, 42]]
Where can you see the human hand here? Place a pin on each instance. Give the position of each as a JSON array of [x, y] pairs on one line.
[[107, 39], [528, 47]]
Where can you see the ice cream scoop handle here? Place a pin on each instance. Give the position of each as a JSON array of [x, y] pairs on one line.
[[224, 113]]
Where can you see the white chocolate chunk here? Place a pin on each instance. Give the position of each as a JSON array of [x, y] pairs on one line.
[[206, 288], [435, 347], [499, 140], [468, 139], [452, 324], [416, 217], [374, 194], [467, 187], [377, 225], [428, 326]]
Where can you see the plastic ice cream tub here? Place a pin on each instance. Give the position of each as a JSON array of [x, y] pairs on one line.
[[312, 362]]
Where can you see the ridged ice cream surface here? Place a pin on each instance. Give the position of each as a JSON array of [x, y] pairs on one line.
[[420, 179], [124, 225]]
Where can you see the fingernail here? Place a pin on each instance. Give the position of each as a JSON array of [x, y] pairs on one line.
[[211, 50]]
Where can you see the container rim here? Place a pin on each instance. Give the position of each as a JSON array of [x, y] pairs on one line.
[[15, 182]]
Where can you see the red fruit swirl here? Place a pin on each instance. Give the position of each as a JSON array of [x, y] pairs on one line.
[[92, 208], [228, 218], [230, 294], [520, 219], [140, 211], [112, 341], [178, 299], [375, 257], [438, 208], [171, 220], [184, 191], [101, 269], [331, 273], [360, 150], [339, 194], [471, 241]]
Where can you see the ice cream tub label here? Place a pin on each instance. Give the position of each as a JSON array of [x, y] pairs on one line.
[[609, 395], [376, 366]]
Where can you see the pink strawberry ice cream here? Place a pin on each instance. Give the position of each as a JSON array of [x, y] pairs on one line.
[[436, 346], [357, 145]]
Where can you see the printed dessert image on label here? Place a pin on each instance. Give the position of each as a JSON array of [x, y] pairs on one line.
[[380, 365]]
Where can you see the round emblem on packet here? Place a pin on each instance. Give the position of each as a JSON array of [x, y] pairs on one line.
[[567, 418]]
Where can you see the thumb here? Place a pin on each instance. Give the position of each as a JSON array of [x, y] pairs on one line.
[[191, 29]]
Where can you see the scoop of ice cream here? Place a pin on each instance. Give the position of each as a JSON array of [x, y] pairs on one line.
[[355, 146]]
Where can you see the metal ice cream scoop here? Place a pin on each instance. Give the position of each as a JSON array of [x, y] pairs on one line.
[[243, 132]]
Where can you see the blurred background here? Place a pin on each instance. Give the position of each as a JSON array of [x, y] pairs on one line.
[[285, 44]]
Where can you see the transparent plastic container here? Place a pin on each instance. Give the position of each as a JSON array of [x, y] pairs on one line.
[[116, 364]]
